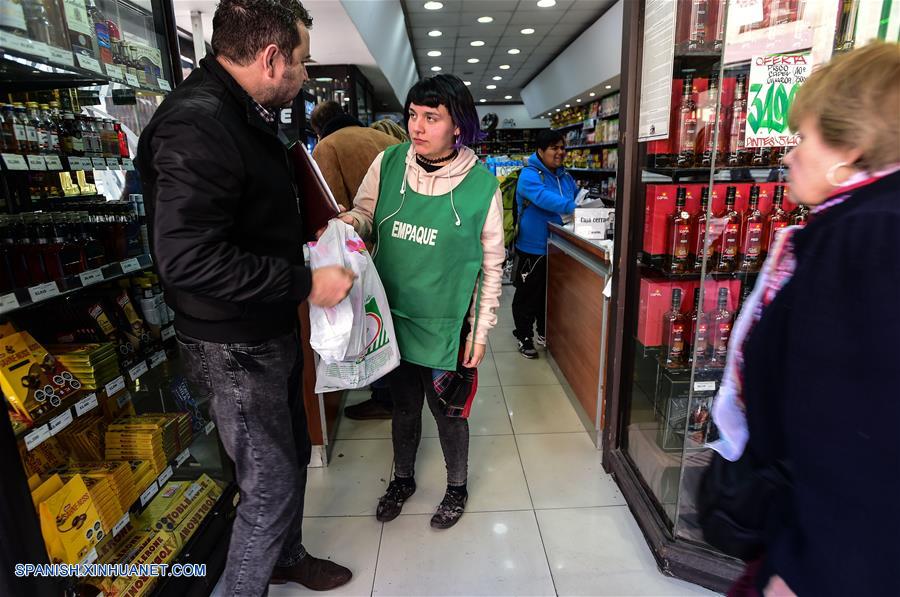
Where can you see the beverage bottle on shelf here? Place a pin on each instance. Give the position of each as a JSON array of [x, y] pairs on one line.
[[727, 253], [687, 127], [39, 27], [111, 147], [101, 31], [719, 34], [87, 135], [72, 253], [31, 140], [678, 258], [51, 242], [33, 113], [712, 127], [51, 129], [698, 32], [737, 152], [13, 241], [752, 229], [13, 20], [115, 40], [720, 321], [9, 129], [674, 332], [699, 246], [746, 289], [72, 137], [847, 25], [122, 140], [699, 333], [93, 250], [799, 216], [33, 250], [777, 219]]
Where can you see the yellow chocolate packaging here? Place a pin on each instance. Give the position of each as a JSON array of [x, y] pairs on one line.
[[70, 523]]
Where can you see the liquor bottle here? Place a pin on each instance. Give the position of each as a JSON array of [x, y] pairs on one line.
[[720, 321], [115, 40], [699, 333], [101, 31], [33, 114], [39, 27], [111, 139], [31, 142], [12, 130], [49, 130], [846, 34], [678, 258], [51, 250], [777, 219], [698, 234], [737, 153], [800, 216], [674, 332], [72, 141], [699, 14], [711, 126], [687, 125], [719, 33], [746, 289], [727, 253], [752, 232]]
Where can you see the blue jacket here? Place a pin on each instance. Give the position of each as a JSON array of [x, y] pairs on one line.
[[550, 195]]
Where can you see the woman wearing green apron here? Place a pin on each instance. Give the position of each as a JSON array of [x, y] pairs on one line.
[[436, 217]]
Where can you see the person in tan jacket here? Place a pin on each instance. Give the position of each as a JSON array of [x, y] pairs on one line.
[[436, 216]]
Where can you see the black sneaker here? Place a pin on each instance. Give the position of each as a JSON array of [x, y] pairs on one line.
[[391, 503], [450, 510], [526, 348], [369, 410]]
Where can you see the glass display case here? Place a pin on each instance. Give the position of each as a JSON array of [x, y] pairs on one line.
[[707, 93], [346, 85]]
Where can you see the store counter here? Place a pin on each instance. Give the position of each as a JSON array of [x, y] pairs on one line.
[[578, 270]]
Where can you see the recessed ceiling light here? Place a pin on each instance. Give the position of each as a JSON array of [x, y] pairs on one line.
[[490, 87], [507, 97], [476, 43], [527, 31], [485, 19], [472, 60], [609, 86], [439, 5], [497, 78], [593, 94], [545, 3], [434, 53], [435, 68], [512, 51], [557, 109], [467, 83], [434, 33], [549, 113], [578, 100], [504, 67], [482, 100]]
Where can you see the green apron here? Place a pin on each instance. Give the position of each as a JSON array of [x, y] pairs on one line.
[[428, 264]]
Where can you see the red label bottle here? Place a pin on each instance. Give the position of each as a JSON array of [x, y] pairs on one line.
[[679, 247], [721, 321], [699, 246], [674, 332], [712, 127], [687, 125], [752, 227], [727, 254], [737, 153], [699, 333], [778, 218]]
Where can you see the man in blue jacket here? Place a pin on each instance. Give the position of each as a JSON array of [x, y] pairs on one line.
[[544, 193]]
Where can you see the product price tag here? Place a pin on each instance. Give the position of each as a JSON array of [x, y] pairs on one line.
[[704, 386], [164, 85], [138, 370], [39, 48], [112, 163], [89, 63], [90, 558], [8, 302], [15, 42], [61, 56], [37, 437], [98, 163], [15, 161], [157, 359], [131, 265], [53, 162], [36, 162], [92, 276], [167, 333], [182, 458], [124, 399], [115, 72], [120, 526], [164, 476], [86, 404], [115, 386], [127, 164], [60, 422], [132, 80], [209, 427], [43, 292], [192, 491], [149, 493], [81, 163]]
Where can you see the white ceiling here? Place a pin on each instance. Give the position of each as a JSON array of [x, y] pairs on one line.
[[555, 28]]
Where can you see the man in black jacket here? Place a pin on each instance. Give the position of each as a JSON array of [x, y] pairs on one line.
[[227, 239]]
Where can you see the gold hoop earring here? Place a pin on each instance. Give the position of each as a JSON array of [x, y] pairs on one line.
[[832, 171]]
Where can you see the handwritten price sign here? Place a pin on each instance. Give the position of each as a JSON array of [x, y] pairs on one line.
[[774, 81]]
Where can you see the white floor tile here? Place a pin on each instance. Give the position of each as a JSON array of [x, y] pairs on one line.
[[564, 471], [484, 554], [373, 429], [351, 542], [354, 479], [504, 341], [516, 370], [541, 409], [496, 481], [601, 551], [488, 417]]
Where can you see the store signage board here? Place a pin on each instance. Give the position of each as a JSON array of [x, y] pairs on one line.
[[14, 161], [86, 404], [656, 70], [36, 163], [8, 302], [53, 162], [774, 81]]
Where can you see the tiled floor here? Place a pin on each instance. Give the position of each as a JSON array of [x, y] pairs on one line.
[[543, 518]]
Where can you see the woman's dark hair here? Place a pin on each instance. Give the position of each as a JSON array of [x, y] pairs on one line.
[[452, 93], [548, 137]]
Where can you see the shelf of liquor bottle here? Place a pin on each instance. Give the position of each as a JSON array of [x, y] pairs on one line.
[[15, 162], [593, 145], [45, 61], [22, 298], [655, 266], [593, 170], [744, 173]]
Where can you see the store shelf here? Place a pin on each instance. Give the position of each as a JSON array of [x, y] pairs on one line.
[[571, 126], [656, 269], [677, 174], [592, 170], [594, 145], [23, 298], [608, 116], [14, 162]]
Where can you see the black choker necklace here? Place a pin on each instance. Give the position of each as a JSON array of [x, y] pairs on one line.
[[425, 160]]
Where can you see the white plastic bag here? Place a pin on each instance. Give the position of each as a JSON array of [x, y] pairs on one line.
[[355, 339]]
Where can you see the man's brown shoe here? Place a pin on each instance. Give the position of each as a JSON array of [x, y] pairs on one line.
[[313, 573]]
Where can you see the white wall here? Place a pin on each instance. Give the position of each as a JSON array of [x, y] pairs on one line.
[[515, 111], [383, 28], [595, 57]]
